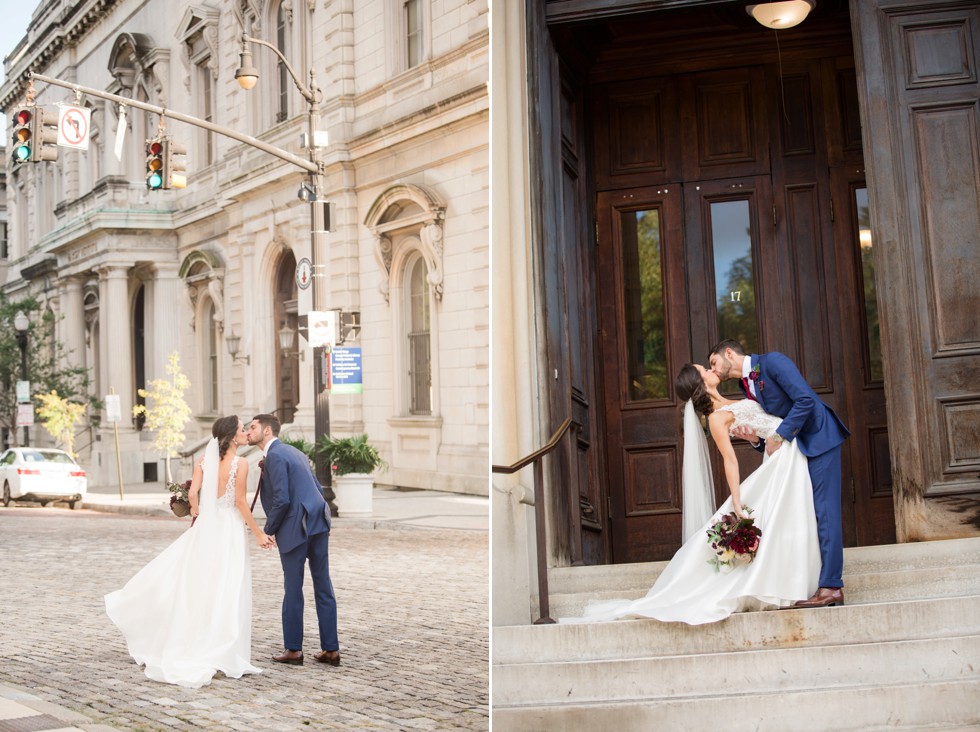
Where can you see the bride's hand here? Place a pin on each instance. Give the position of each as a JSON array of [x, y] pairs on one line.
[[739, 511], [195, 511], [263, 539]]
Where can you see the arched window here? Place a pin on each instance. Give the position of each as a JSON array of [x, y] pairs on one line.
[[210, 351], [286, 316], [419, 350], [282, 34]]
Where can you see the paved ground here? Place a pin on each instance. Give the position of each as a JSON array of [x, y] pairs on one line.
[[413, 626]]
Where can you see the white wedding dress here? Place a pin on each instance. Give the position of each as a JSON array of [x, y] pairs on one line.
[[188, 613], [786, 567]]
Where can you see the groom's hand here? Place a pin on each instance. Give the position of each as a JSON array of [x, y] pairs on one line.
[[746, 434]]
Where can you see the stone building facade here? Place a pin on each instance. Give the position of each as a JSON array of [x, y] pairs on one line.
[[135, 274]]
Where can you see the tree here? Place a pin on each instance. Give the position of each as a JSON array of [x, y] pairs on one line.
[[45, 361], [167, 412], [59, 416]]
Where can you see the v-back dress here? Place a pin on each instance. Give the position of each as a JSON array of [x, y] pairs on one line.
[[188, 613]]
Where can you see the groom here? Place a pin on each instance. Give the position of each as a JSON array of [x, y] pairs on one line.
[[299, 519], [774, 381]]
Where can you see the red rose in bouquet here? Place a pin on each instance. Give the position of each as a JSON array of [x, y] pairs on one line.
[[733, 540]]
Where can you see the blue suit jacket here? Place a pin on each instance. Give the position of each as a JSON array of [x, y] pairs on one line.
[[291, 497], [782, 391]]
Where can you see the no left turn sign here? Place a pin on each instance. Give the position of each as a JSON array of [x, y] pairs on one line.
[[73, 127]]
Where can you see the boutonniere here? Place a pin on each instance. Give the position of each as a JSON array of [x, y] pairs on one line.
[[262, 464], [756, 376]]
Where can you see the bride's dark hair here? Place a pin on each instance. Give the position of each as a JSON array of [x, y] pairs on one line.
[[690, 385], [224, 430]]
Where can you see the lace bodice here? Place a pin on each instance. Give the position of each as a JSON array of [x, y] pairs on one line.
[[227, 500], [749, 413]]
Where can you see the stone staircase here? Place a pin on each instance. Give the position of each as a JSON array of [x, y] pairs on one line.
[[903, 654]]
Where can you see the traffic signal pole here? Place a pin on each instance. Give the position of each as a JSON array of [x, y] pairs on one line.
[[313, 166], [307, 165]]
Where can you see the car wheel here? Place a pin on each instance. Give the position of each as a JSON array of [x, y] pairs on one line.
[[71, 505], [6, 493], [43, 503]]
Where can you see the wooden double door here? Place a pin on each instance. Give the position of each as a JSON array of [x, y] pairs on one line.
[[731, 204]]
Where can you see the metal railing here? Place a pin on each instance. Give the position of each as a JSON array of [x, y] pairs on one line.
[[571, 428]]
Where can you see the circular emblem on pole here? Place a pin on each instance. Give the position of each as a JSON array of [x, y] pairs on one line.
[[304, 273]]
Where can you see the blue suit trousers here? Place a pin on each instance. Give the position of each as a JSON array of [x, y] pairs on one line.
[[825, 475], [316, 550]]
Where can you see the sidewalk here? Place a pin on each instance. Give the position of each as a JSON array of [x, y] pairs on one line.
[[21, 710], [393, 509]]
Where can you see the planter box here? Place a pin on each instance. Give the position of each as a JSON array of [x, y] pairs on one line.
[[355, 494]]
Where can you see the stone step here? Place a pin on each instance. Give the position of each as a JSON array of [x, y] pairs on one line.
[[911, 620], [658, 677], [857, 560], [860, 588], [942, 705]]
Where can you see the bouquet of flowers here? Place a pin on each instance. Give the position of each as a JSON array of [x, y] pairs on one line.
[[180, 504], [733, 540]]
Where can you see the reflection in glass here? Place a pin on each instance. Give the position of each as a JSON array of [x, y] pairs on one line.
[[731, 239], [644, 305], [866, 245]]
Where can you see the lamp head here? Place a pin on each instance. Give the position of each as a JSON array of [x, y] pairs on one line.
[[286, 337], [246, 74], [21, 322], [232, 341], [779, 15]]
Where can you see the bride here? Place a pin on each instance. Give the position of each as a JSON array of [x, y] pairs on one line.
[[188, 613], [786, 567]]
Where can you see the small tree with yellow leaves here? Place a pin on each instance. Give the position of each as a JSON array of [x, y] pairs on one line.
[[167, 412], [59, 416]]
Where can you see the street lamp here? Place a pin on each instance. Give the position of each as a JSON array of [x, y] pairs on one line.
[[248, 76], [21, 324]]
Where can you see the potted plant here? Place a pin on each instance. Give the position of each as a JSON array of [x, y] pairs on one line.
[[352, 462]]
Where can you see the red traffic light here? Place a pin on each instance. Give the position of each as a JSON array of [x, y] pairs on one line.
[[23, 117], [154, 148]]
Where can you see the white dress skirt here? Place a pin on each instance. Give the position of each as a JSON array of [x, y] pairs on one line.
[[188, 613], [786, 567]]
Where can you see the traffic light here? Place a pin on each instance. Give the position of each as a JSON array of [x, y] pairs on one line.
[[163, 170], [154, 163], [23, 134], [34, 131], [45, 126], [174, 170]]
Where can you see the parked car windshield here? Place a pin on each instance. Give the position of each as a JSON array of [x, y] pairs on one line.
[[47, 456]]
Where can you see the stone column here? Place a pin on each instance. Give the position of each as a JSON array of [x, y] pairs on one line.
[[166, 295], [116, 338], [72, 325]]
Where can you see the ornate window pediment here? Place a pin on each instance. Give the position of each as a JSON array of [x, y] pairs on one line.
[[409, 209], [204, 271], [198, 32]]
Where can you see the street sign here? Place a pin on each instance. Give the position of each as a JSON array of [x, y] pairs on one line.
[[322, 327], [113, 409], [73, 126], [25, 415], [304, 273], [23, 392], [345, 371]]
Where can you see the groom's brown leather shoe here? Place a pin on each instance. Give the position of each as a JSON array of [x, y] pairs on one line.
[[331, 657], [294, 658], [823, 597]]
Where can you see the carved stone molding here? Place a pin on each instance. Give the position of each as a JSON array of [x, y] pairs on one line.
[[204, 271], [408, 209]]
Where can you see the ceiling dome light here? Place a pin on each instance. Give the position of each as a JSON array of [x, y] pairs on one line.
[[779, 15]]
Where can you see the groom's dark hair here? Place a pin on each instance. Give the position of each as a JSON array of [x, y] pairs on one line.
[[268, 420], [727, 343]]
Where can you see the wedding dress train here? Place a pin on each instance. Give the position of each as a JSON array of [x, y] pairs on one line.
[[188, 613], [786, 567]]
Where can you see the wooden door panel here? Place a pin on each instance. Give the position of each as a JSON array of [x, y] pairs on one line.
[[644, 340]]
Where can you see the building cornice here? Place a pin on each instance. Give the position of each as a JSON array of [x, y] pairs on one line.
[[57, 32]]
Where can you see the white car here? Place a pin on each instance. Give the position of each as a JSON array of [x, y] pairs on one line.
[[41, 474]]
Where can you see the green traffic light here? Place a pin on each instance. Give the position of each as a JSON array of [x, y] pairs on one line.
[[22, 153], [154, 181]]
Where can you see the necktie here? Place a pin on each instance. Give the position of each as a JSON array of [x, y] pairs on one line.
[[748, 391], [258, 488]]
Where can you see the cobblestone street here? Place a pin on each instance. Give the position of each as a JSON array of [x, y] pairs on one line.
[[413, 612]]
